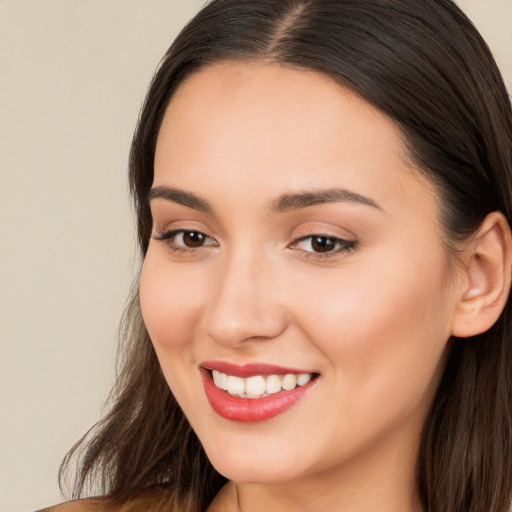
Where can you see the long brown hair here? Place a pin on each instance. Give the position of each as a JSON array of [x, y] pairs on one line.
[[423, 64]]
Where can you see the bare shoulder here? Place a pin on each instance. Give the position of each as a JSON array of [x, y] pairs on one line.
[[86, 505], [148, 499]]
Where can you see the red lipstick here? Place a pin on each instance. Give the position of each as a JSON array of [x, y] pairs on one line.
[[249, 370], [247, 410]]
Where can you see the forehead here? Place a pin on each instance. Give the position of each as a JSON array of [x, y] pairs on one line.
[[269, 128], [270, 97]]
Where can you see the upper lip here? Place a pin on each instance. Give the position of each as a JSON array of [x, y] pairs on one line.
[[250, 369]]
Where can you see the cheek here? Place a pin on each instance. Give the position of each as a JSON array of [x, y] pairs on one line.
[[383, 330], [169, 304], [170, 308]]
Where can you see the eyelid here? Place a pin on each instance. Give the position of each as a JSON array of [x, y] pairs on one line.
[[340, 243], [344, 245], [322, 228], [345, 240], [165, 227], [167, 236], [169, 233]]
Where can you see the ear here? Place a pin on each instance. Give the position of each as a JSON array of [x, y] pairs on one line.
[[485, 278]]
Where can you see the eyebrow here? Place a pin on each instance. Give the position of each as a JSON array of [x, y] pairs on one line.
[[181, 197], [284, 203], [289, 202]]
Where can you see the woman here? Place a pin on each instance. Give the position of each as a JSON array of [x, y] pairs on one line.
[[323, 199]]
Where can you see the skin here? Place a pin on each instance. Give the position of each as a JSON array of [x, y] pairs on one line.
[[372, 321]]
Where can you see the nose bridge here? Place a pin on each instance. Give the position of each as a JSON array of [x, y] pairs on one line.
[[244, 301]]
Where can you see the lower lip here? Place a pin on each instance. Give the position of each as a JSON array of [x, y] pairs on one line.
[[248, 410]]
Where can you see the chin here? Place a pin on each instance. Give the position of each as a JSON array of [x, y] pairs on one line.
[[256, 468], [249, 474]]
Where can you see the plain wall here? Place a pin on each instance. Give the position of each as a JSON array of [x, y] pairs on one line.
[[72, 78]]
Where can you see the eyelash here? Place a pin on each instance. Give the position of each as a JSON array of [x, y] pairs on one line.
[[342, 244], [168, 238]]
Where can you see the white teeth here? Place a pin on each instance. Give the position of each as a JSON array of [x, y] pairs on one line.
[[235, 385], [255, 386], [273, 384], [289, 382], [223, 381], [303, 378], [220, 379], [258, 386]]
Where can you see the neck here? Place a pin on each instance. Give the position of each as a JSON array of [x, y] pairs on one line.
[[376, 482], [375, 494]]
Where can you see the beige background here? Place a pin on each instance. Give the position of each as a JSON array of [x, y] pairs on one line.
[[72, 77]]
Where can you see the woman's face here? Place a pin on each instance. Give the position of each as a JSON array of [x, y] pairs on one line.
[[291, 236]]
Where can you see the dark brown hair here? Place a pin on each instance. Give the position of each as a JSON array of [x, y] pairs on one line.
[[423, 64]]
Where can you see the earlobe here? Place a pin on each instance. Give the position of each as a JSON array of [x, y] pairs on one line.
[[487, 276]]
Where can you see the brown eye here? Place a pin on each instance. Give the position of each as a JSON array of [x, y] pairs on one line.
[[183, 240], [323, 243], [193, 239]]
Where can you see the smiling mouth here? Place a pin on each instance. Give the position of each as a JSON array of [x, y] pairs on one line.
[[256, 393], [259, 386]]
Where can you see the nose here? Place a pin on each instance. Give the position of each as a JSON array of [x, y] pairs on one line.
[[244, 303]]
